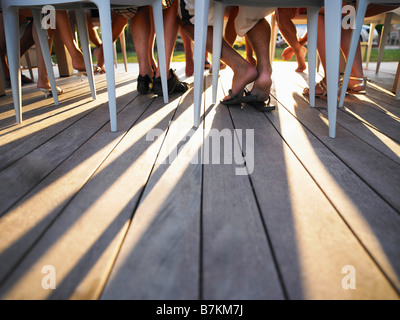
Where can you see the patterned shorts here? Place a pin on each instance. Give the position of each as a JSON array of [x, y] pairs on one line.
[[130, 12]]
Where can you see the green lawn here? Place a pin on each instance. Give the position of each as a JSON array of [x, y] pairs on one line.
[[179, 56]]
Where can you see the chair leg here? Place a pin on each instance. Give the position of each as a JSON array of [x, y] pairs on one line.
[[159, 26], [370, 41], [105, 24], [44, 45], [361, 10], [87, 55], [332, 43], [312, 27], [200, 38], [219, 10], [382, 44], [11, 29]]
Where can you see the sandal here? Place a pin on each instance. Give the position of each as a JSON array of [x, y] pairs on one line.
[[352, 89], [259, 104], [238, 98], [48, 93], [321, 85]]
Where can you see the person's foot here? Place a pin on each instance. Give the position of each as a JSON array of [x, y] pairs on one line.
[[301, 59], [78, 63], [189, 68], [262, 86], [243, 75], [98, 53], [287, 54], [320, 89], [356, 85]]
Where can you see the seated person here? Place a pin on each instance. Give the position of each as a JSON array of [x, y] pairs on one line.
[[288, 30], [143, 35], [357, 81], [250, 22]]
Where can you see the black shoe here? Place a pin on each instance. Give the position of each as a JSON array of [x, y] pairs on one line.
[[144, 84], [174, 85]]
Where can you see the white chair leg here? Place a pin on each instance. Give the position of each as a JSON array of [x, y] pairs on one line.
[[370, 41], [361, 10], [162, 62], [382, 44], [200, 38], [332, 43], [11, 28], [44, 45], [219, 10], [105, 24], [87, 55], [312, 27]]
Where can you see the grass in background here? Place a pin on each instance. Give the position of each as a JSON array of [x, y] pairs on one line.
[[179, 56]]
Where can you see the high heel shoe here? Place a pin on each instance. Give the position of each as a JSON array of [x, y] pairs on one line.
[[96, 70], [48, 93]]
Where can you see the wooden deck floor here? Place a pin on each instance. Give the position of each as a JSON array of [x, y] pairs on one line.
[[139, 214]]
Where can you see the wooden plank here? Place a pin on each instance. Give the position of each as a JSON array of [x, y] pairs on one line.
[[83, 241], [368, 134], [237, 260], [311, 242], [31, 95], [36, 131], [35, 106], [386, 120], [23, 225], [379, 171], [370, 217], [26, 173], [159, 258]]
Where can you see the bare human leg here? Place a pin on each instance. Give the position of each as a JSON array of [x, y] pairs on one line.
[[142, 37], [289, 32], [259, 37], [244, 72]]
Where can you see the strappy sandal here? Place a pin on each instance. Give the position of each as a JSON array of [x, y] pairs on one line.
[[321, 85], [353, 89], [238, 99], [48, 93], [259, 105]]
